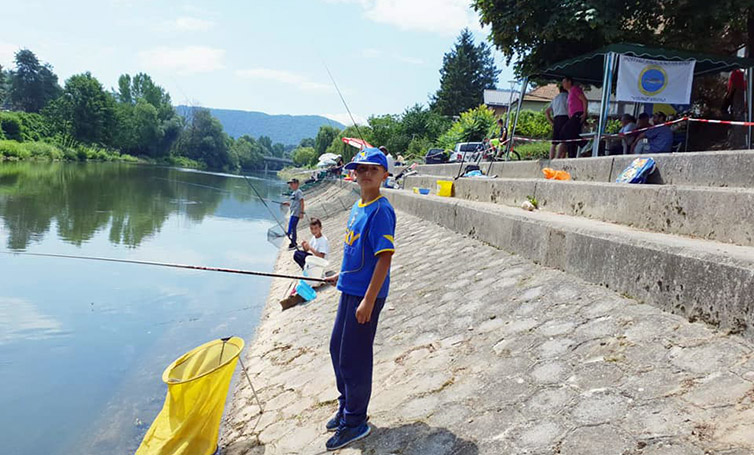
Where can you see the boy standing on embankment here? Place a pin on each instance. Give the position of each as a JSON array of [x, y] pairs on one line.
[[297, 211], [363, 280]]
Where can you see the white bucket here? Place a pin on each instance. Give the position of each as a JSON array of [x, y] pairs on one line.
[[314, 267]]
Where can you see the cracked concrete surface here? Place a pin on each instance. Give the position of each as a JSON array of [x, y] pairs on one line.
[[483, 352]]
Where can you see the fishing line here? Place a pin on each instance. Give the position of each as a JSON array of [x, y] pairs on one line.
[[344, 101], [176, 266], [207, 186]]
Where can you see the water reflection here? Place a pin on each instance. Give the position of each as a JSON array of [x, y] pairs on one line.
[[132, 201], [83, 343]]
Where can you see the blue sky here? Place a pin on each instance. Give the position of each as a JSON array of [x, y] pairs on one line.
[[252, 55]]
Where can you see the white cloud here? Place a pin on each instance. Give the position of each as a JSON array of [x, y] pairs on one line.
[[299, 81], [410, 60], [188, 24], [22, 321], [184, 60], [345, 119], [446, 17], [7, 54]]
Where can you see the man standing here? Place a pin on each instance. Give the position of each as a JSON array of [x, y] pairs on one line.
[[577, 110], [557, 115], [297, 210]]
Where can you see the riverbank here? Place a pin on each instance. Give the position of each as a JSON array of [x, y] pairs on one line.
[[483, 352]]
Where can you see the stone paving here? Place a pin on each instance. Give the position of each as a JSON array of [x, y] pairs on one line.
[[482, 352]]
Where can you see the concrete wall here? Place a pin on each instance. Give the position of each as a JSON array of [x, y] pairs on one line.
[[699, 279], [726, 169], [721, 214]]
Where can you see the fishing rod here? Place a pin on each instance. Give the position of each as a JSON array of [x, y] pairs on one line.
[[344, 102], [208, 187], [167, 264], [246, 179]]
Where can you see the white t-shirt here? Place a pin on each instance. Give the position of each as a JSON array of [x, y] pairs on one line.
[[559, 105], [320, 245], [390, 163]]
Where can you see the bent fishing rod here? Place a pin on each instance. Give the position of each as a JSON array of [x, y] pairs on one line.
[[167, 264]]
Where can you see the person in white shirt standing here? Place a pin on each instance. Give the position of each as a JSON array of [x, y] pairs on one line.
[[390, 160], [317, 246], [557, 115]]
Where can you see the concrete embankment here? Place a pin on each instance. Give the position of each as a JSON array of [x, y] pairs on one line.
[[483, 352]]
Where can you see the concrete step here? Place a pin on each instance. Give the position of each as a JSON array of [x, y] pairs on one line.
[[724, 169], [700, 279], [721, 214]]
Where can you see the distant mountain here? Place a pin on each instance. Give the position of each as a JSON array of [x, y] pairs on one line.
[[286, 129]]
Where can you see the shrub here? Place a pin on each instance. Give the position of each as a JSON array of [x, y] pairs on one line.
[[474, 125], [44, 150], [533, 150], [11, 126], [13, 149], [533, 124]]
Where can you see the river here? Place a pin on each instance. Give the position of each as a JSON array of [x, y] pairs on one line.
[[83, 344]]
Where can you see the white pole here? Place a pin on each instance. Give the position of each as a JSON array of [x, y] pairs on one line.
[[515, 120], [749, 99], [607, 82]]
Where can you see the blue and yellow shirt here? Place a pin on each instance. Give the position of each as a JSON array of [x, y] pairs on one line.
[[370, 231]]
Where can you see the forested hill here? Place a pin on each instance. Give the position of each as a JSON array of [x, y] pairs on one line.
[[286, 129]]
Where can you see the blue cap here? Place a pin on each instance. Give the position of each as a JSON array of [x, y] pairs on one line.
[[368, 156]]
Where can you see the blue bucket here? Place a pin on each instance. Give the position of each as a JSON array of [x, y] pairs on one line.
[[304, 290]]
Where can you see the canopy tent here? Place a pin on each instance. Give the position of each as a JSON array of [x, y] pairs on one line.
[[599, 67], [356, 142]]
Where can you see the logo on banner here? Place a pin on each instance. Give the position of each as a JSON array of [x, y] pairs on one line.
[[652, 80]]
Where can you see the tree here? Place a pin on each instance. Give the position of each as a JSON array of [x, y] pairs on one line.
[[473, 126], [204, 140], [324, 138], [148, 122], [85, 111], [247, 151], [304, 156], [32, 84], [540, 33], [307, 142], [4, 88], [467, 70]]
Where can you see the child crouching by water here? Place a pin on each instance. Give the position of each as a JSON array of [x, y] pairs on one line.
[[363, 280]]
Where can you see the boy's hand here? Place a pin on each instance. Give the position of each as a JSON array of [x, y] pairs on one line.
[[333, 279], [364, 311], [305, 245]]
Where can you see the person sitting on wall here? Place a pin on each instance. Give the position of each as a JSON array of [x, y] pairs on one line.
[[660, 138], [317, 246]]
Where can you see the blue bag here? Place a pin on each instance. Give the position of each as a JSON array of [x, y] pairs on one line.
[[638, 171]]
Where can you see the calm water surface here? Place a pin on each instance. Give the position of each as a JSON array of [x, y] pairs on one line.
[[83, 344]]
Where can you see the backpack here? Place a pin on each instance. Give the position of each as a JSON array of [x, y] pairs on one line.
[[638, 171]]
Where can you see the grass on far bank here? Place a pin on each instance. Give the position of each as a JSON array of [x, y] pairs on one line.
[[38, 150]]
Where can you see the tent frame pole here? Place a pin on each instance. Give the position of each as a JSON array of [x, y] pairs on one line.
[[524, 83], [749, 99], [607, 87]]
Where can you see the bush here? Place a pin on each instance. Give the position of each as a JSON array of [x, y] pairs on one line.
[[533, 150], [44, 150], [23, 126], [533, 124], [13, 149], [473, 126], [11, 126]]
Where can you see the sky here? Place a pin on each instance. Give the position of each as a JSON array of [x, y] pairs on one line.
[[268, 56]]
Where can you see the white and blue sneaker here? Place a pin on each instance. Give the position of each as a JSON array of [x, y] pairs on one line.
[[346, 435], [333, 423]]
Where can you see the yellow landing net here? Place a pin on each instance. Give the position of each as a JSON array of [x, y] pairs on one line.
[[198, 383]]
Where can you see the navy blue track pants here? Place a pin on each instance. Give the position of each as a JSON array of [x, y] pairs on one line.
[[351, 352]]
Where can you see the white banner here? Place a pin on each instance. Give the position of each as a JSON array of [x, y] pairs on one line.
[[654, 81]]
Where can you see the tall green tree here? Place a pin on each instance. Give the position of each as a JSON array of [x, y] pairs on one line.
[[204, 140], [324, 138], [3, 87], [32, 84], [307, 142], [467, 70], [85, 111], [149, 123], [539, 33]]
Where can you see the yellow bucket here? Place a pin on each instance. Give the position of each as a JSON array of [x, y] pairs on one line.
[[445, 188]]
